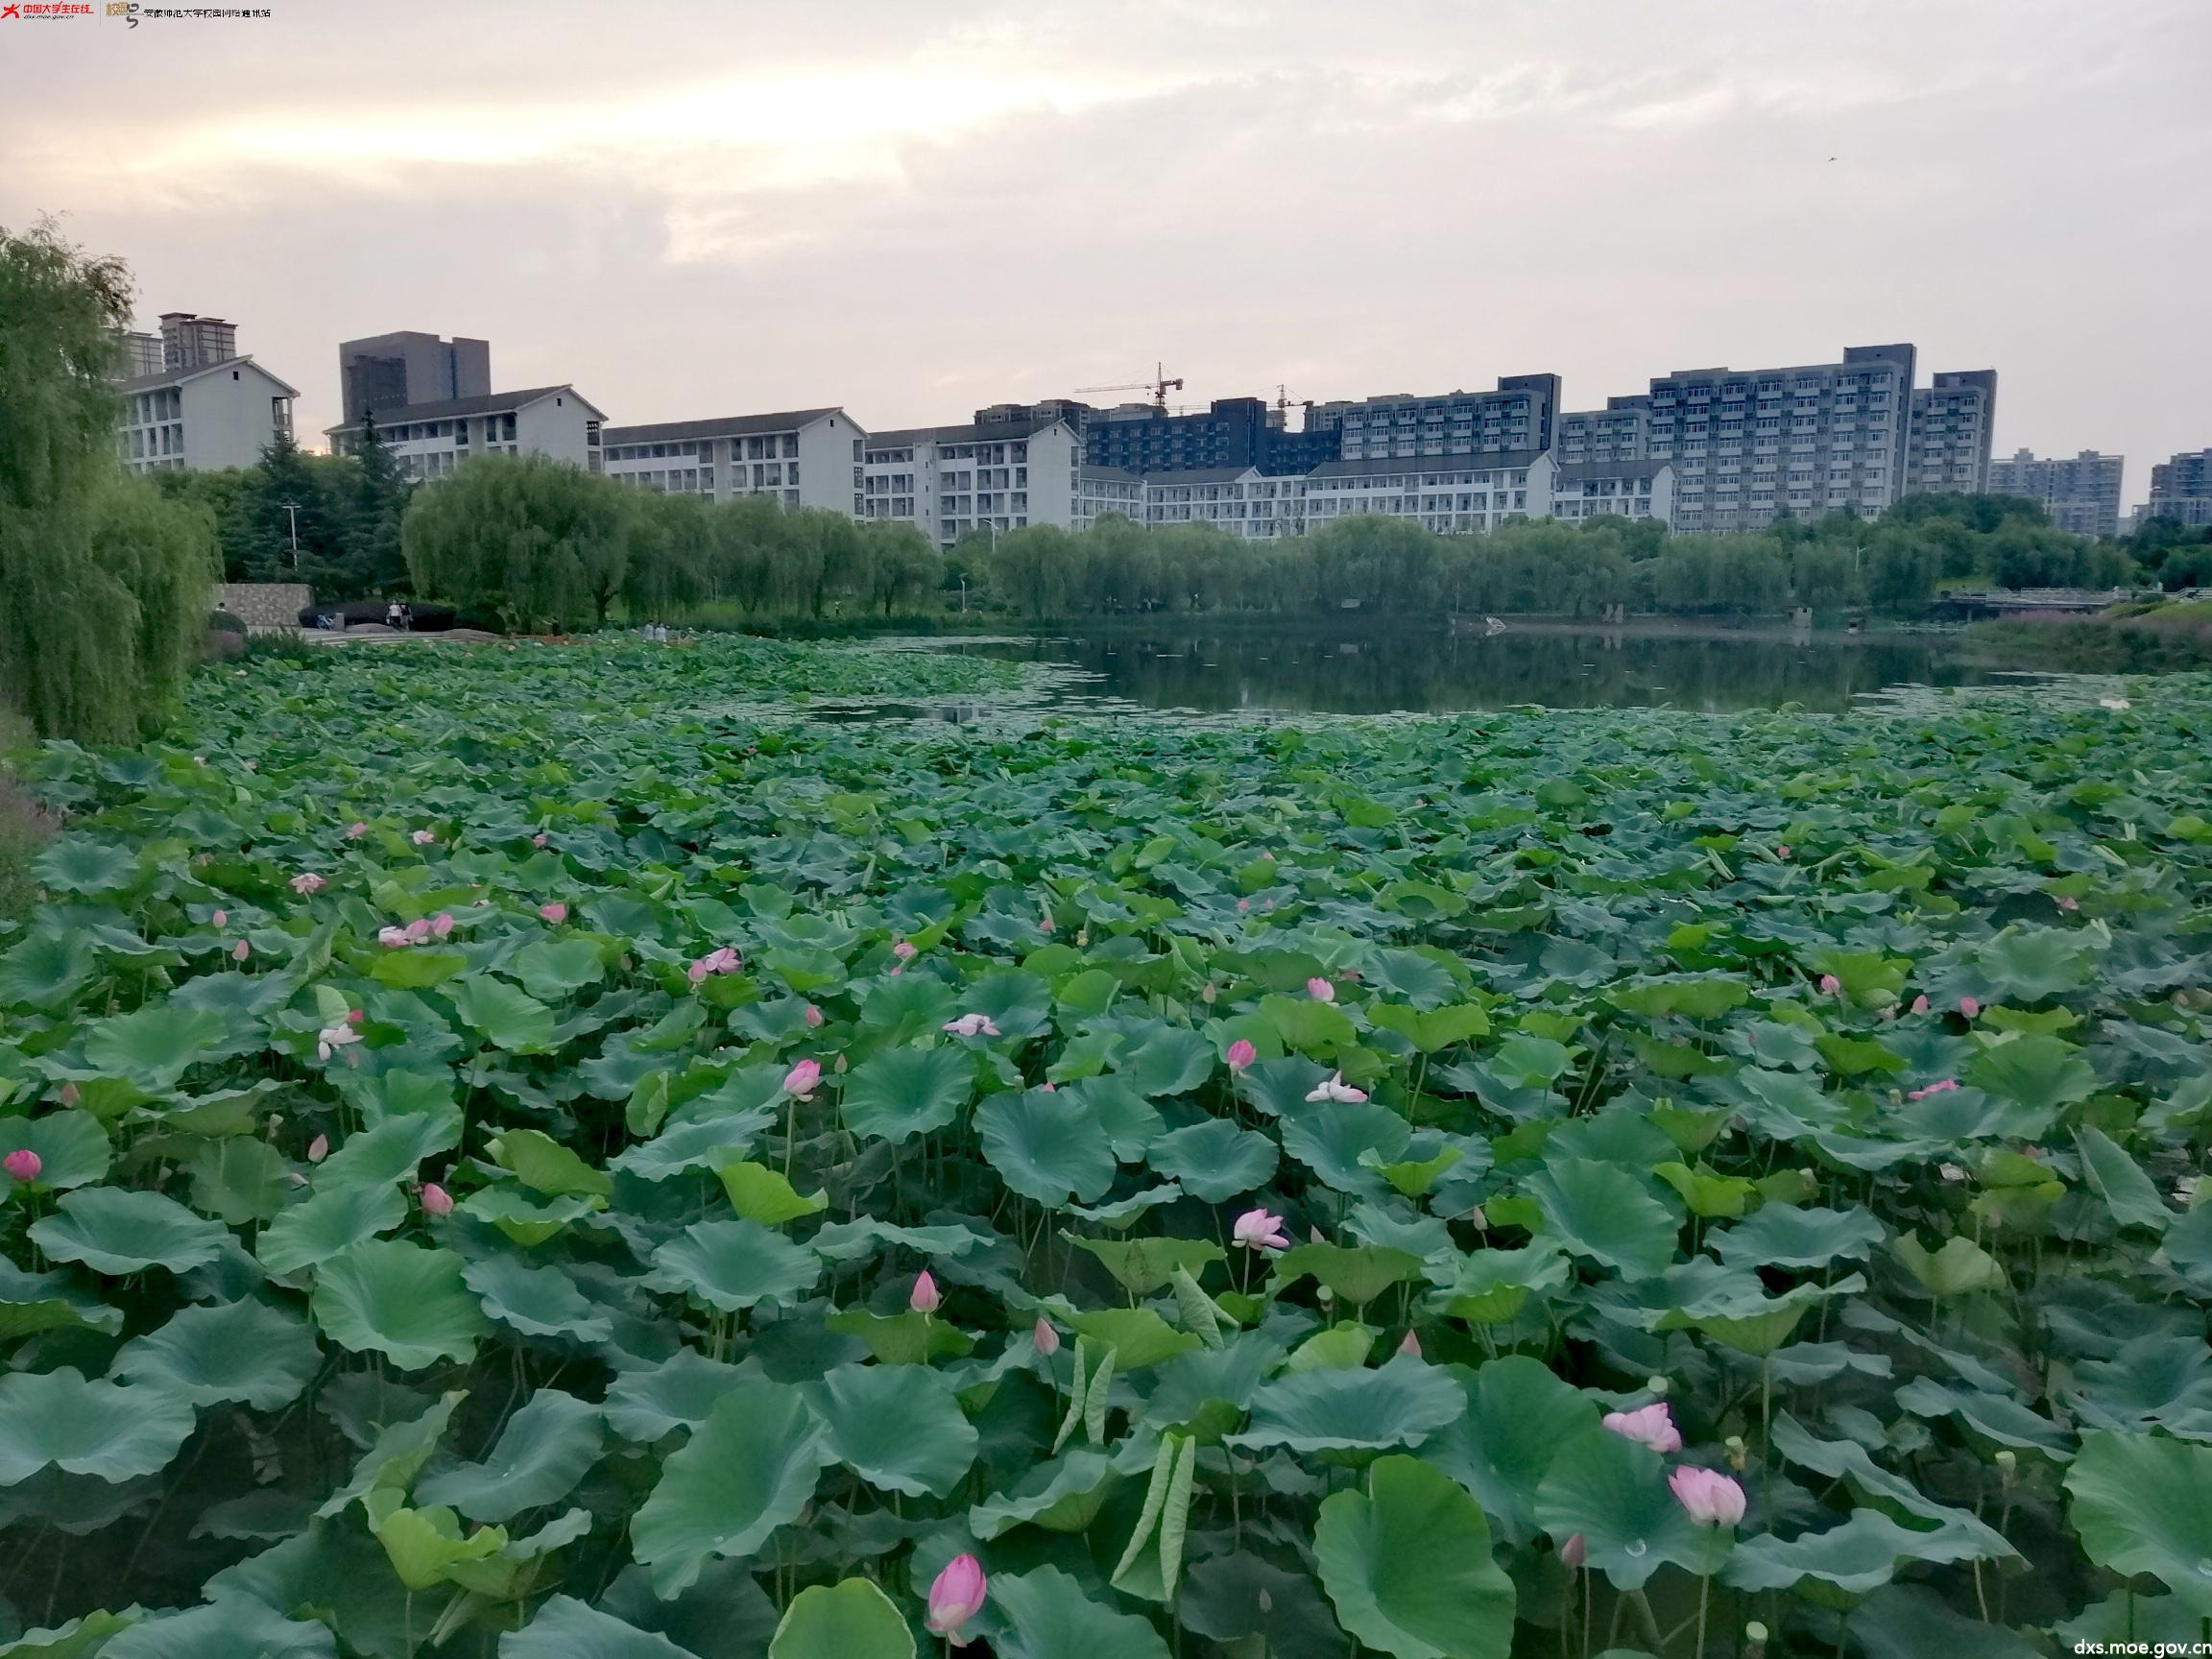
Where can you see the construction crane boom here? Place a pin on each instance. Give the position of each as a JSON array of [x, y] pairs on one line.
[[1159, 386]]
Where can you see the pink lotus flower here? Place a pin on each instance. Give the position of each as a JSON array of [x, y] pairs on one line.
[[1410, 1347], [306, 882], [436, 1200], [1653, 1426], [1574, 1553], [957, 1595], [1336, 1089], [722, 961], [537, 840], [925, 1297], [813, 1017], [1830, 984], [1779, 853], [440, 925], [355, 1016], [1320, 990], [332, 1038], [1243, 906], [1970, 1007], [973, 1026], [1711, 1498], [23, 1164], [355, 831], [393, 938], [1948, 1083], [1044, 924], [1045, 1338], [904, 951], [423, 837], [317, 1148], [1920, 1003], [1260, 1230], [419, 929], [221, 919], [555, 912], [240, 952], [68, 1094], [802, 1080], [2067, 902], [1241, 1054]]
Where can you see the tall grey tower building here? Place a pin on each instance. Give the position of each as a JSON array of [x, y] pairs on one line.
[[394, 370]]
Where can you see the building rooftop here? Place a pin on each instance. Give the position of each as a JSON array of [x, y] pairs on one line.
[[1112, 475], [1204, 475], [491, 404], [719, 426], [971, 432], [1379, 465], [176, 376]]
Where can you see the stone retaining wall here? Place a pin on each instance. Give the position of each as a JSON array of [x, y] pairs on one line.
[[263, 606]]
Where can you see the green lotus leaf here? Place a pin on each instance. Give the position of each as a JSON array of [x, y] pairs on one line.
[[758, 1194], [2029, 964], [545, 1448], [109, 1431], [1431, 1029], [43, 970], [693, 1143], [2119, 1180], [848, 1620], [1333, 1410], [554, 970], [329, 1221], [648, 1404], [72, 1146], [1244, 1596], [415, 969], [863, 1236], [391, 1150], [1857, 1556], [1405, 1562], [543, 1165], [118, 1229], [1960, 1269], [750, 1468], [425, 1545], [567, 1628], [526, 1221], [1784, 1235], [1309, 1027], [234, 1627], [900, 1428], [1519, 1416], [1215, 1161], [732, 1264], [1060, 1495], [407, 1303], [75, 864], [1490, 1287], [35, 1302], [1998, 1416], [504, 1017], [1340, 1348], [1143, 1266], [395, 1455], [1614, 1493], [1045, 1615], [1169, 1060], [1332, 1140], [536, 1301], [1356, 1274], [2041, 1073], [154, 1046], [1049, 1147], [1601, 1211], [78, 1639], [238, 1180], [2138, 1502], [903, 1093], [908, 1339], [1137, 1336], [245, 1350]]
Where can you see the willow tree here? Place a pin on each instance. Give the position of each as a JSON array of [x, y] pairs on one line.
[[533, 541], [103, 581]]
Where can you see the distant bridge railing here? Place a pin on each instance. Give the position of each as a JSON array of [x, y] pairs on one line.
[[2001, 599]]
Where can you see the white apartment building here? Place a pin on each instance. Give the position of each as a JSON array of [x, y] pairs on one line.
[[217, 415], [430, 440], [1618, 432], [801, 457], [2082, 495], [1469, 498], [1626, 489], [2181, 488], [1237, 501], [1952, 421], [951, 481], [1104, 489], [1814, 439], [1519, 416]]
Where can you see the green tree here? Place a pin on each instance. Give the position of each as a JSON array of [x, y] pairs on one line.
[[102, 579], [377, 561], [904, 570], [1031, 569], [531, 540]]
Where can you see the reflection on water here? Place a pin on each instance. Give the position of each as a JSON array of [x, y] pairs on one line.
[[1377, 670]]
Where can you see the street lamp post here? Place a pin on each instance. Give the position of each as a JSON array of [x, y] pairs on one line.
[[291, 512]]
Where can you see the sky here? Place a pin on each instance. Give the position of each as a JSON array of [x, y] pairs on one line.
[[689, 209]]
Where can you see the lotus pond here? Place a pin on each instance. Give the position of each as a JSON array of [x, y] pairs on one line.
[[562, 1154]]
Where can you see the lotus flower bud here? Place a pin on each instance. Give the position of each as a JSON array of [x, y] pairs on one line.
[[1047, 1339], [23, 1164], [925, 1297], [955, 1596], [1574, 1553], [436, 1200]]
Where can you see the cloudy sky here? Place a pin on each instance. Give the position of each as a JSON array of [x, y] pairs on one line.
[[722, 206]]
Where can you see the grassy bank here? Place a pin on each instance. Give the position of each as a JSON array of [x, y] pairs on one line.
[[2128, 640]]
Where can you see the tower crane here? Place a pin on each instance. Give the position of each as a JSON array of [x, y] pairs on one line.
[[1159, 386]]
